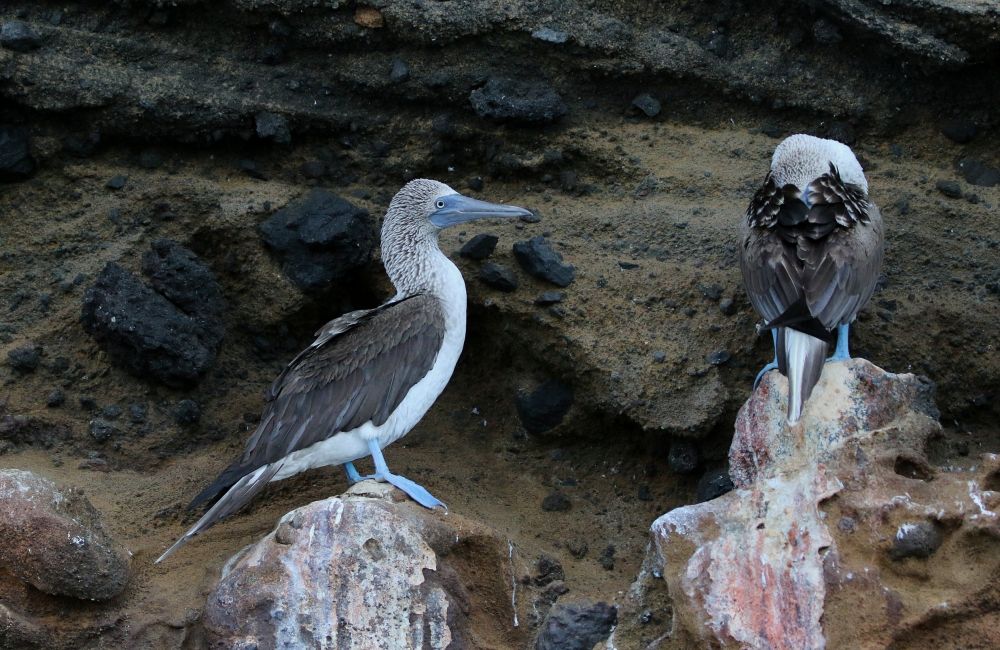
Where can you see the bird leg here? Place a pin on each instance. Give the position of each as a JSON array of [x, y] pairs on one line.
[[352, 473], [771, 366], [382, 473], [842, 353]]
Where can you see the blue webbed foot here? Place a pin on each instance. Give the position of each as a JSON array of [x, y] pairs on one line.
[[771, 366], [416, 492], [842, 353], [763, 371], [352, 473]]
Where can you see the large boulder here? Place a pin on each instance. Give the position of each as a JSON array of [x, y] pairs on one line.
[[839, 533], [54, 540], [363, 571]]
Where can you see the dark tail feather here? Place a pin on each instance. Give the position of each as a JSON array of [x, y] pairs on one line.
[[227, 479], [800, 358], [798, 316], [235, 498]]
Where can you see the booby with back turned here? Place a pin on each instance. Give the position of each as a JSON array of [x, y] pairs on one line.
[[370, 375], [811, 252]]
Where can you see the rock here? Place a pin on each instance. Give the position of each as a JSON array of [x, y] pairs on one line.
[[102, 430], [16, 162], [556, 501], [810, 504], [727, 306], [475, 183], [400, 72], [137, 413], [920, 539], [683, 457], [647, 105], [718, 358], [713, 484], [19, 36], [442, 581], [271, 126], [532, 102], [25, 358], [479, 247], [711, 291], [320, 239], [537, 258], [55, 541], [979, 173], [56, 398], [545, 407], [498, 276], [576, 626], [659, 356], [607, 557], [187, 412], [547, 570], [115, 183], [550, 298], [172, 334], [549, 35], [958, 130], [951, 189]]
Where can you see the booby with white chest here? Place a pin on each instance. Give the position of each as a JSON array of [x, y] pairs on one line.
[[811, 252], [370, 375]]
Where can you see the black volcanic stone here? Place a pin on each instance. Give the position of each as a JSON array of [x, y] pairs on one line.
[[187, 412], [271, 126], [548, 569], [958, 130], [400, 72], [576, 626], [718, 358], [537, 258], [545, 407], [647, 104], [15, 153], [319, 239], [18, 36], [550, 298], [919, 539], [56, 398], [24, 358], [517, 101], [979, 173], [951, 189], [713, 484], [683, 457], [498, 277], [170, 332], [101, 430], [115, 183], [555, 502], [479, 247]]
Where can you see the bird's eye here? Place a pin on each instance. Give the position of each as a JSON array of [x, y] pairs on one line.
[[439, 204]]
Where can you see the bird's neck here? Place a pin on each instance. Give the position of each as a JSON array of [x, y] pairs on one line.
[[416, 265]]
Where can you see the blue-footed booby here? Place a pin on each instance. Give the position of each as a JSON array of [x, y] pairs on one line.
[[370, 375], [811, 255]]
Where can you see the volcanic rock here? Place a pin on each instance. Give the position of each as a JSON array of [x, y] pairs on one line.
[[19, 36], [978, 172], [576, 626], [54, 540], [479, 247], [537, 258], [498, 276], [545, 407], [518, 101], [310, 582], [320, 239]]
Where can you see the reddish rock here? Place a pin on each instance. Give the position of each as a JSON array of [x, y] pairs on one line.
[[54, 540]]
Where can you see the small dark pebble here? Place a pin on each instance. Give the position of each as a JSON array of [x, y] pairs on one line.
[[710, 291], [272, 126], [607, 558], [647, 104], [88, 403], [550, 298], [530, 218], [56, 398], [24, 358], [101, 430], [116, 183], [187, 412], [547, 570], [556, 502], [951, 189], [727, 306], [479, 247], [683, 457], [718, 358], [920, 539], [475, 183], [399, 72], [498, 276], [979, 173], [137, 412], [627, 266], [545, 407], [578, 548], [644, 494], [18, 36], [659, 356], [713, 484], [111, 412], [538, 258]]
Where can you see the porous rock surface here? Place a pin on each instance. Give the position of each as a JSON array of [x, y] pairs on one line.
[[839, 533], [364, 571], [54, 540]]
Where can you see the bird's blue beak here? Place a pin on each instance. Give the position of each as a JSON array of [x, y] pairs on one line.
[[455, 208]]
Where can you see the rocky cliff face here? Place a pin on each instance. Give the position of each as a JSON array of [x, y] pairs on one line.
[[229, 162]]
